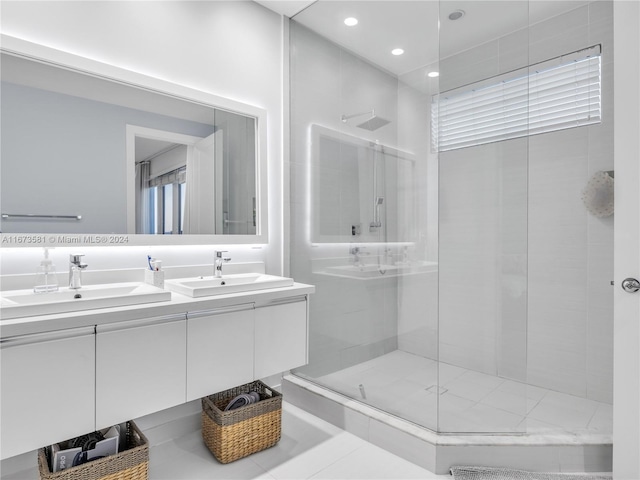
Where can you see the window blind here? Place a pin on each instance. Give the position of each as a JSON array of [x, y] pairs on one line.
[[560, 93]]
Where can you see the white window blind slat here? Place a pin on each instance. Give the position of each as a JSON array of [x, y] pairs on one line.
[[562, 93], [548, 110], [484, 98], [487, 126]]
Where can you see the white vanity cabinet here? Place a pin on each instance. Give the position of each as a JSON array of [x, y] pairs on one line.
[[140, 367], [231, 346], [48, 388], [280, 335], [105, 367], [220, 349]]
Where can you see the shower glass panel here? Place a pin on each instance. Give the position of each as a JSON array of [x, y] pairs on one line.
[[364, 200], [482, 260]]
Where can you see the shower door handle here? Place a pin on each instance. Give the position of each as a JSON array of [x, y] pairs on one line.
[[630, 285]]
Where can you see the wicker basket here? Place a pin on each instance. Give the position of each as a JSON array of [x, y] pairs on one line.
[[237, 433], [129, 464]]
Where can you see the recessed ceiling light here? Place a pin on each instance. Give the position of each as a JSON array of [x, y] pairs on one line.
[[433, 74], [351, 21], [397, 51], [456, 15]]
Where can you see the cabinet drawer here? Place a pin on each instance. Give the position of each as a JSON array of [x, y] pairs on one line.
[[220, 351], [48, 389], [140, 370], [280, 337]]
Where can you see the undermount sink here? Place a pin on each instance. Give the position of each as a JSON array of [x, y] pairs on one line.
[[364, 271], [241, 282], [25, 303], [373, 270]]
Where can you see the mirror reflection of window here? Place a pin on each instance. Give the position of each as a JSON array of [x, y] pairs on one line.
[[152, 202], [166, 205], [160, 173], [167, 209]]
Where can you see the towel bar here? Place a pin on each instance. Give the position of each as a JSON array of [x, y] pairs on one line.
[[32, 215]]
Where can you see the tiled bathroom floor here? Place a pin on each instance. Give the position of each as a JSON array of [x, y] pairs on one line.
[[309, 448], [405, 385]]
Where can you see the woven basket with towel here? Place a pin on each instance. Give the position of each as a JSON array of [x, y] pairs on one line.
[[248, 426], [130, 464]]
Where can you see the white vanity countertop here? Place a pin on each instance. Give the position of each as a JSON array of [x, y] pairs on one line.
[[179, 304]]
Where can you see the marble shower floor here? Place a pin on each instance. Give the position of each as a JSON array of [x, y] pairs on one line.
[[405, 385]]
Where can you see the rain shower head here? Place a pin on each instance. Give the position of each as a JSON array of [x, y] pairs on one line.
[[374, 122]]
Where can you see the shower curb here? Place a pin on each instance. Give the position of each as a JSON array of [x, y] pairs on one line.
[[438, 452]]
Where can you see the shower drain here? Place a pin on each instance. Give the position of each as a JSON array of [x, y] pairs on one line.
[[436, 388], [362, 392]]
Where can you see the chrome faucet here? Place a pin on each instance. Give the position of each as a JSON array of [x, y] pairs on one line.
[[220, 259], [75, 270], [357, 252]]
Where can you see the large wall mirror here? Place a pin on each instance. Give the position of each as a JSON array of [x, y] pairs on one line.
[[91, 153], [362, 191]]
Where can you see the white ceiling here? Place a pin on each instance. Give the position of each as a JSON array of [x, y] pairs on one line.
[[382, 26], [413, 25], [146, 148], [288, 8]]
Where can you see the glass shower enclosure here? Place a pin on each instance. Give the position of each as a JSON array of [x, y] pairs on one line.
[[440, 242]]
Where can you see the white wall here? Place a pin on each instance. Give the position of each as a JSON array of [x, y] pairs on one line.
[[231, 49]]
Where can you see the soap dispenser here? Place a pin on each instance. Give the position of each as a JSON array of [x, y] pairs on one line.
[[46, 278]]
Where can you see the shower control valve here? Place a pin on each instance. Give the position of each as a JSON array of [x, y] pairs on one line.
[[357, 252]]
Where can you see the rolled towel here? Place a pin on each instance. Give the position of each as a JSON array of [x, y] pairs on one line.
[[255, 396], [239, 401]]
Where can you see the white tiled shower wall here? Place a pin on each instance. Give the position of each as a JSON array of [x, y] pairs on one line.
[[570, 346], [524, 268]]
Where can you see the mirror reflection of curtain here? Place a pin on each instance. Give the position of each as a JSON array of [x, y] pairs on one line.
[[143, 204]]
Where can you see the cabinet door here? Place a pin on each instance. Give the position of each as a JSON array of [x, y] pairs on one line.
[[281, 336], [140, 368], [220, 354], [48, 389]]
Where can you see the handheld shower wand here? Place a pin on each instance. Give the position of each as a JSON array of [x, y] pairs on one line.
[[376, 214]]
